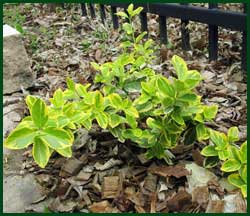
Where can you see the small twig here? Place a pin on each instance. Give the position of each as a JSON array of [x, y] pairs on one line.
[[16, 109], [7, 103]]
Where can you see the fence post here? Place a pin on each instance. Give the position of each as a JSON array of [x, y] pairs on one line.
[[144, 21], [114, 17], [185, 33], [244, 44], [84, 10], [102, 13], [92, 10], [213, 38], [163, 29]]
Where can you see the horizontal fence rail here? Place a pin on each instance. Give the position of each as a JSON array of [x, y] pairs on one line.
[[212, 16], [233, 20]]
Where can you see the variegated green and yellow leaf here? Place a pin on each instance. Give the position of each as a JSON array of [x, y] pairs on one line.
[[131, 121], [82, 89], [87, 123], [235, 180], [20, 138], [219, 139], [210, 112], [176, 116], [102, 119], [209, 151], [66, 152], [40, 152], [165, 88], [201, 132], [57, 99], [115, 120], [30, 100], [243, 152], [131, 111], [98, 101], [26, 123], [243, 189], [115, 100], [180, 67], [231, 165], [57, 138], [39, 113]]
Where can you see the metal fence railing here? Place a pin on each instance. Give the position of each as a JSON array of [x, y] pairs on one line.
[[212, 16]]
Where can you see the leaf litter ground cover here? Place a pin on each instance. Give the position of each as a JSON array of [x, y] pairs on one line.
[[105, 175]]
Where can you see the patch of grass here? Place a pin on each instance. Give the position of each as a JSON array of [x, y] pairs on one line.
[[12, 15], [69, 31], [169, 45], [48, 33], [102, 35], [85, 45]]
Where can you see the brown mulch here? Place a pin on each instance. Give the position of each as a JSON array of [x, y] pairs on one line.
[[107, 176]]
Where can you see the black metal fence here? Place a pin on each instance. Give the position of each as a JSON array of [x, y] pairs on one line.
[[212, 16]]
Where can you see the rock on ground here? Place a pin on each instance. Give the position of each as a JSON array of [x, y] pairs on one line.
[[13, 111], [16, 65], [20, 189], [19, 192]]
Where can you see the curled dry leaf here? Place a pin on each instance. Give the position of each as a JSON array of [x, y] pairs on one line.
[[153, 203], [109, 164], [200, 195], [215, 206], [176, 171], [110, 187], [150, 182], [83, 176], [98, 55], [179, 201], [67, 206], [72, 166], [103, 207]]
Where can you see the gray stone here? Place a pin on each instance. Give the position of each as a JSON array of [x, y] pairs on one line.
[[13, 112], [199, 176], [16, 65], [19, 193], [20, 190]]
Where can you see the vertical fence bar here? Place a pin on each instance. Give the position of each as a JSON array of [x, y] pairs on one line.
[[213, 38], [144, 21], [163, 29], [185, 33], [84, 10], [114, 17], [92, 10], [102, 13], [244, 46]]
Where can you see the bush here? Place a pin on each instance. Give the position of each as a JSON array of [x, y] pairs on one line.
[[133, 103]]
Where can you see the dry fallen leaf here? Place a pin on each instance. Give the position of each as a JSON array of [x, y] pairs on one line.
[[109, 164], [110, 187], [103, 207], [177, 171], [98, 55], [179, 201]]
